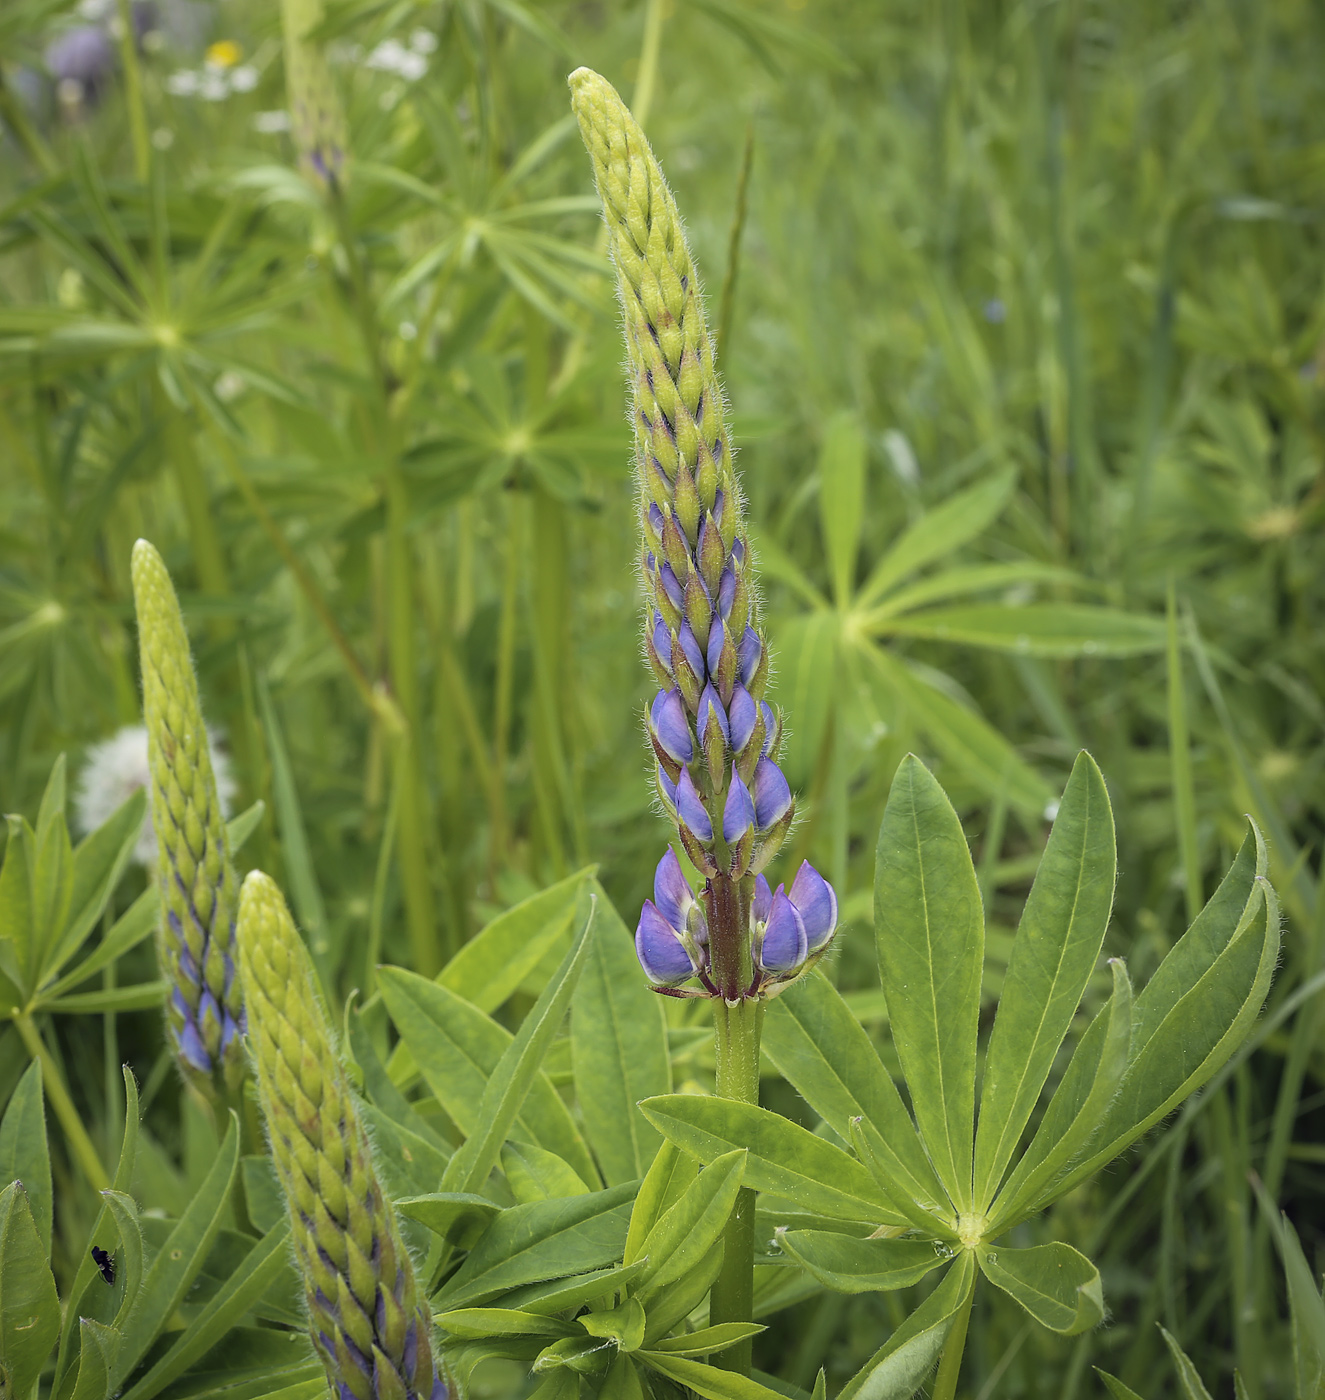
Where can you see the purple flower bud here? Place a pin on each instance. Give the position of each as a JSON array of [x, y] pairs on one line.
[[742, 715], [747, 657], [671, 891], [84, 54], [230, 1031], [726, 593], [659, 948], [655, 518], [667, 785], [784, 946], [771, 794], [738, 816], [671, 728], [672, 586], [690, 646], [209, 1014], [193, 1050], [717, 635], [738, 546], [770, 725], [763, 900], [180, 1005], [816, 903], [662, 641], [690, 808], [709, 704]]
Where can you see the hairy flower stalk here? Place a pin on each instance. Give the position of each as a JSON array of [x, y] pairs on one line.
[[366, 1315], [714, 736], [199, 889]]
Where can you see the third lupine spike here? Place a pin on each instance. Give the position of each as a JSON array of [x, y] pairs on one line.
[[714, 736]]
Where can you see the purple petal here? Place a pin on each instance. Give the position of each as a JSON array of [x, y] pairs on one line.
[[672, 586], [738, 544], [717, 635], [763, 900], [655, 518], [180, 1005], [439, 1390], [817, 904], [691, 809], [690, 646], [661, 953], [770, 725], [726, 593], [229, 1033], [208, 1012], [667, 785], [671, 890], [785, 945], [229, 971], [771, 793], [662, 641], [738, 815], [741, 715], [709, 703], [667, 719], [193, 1050], [747, 658]]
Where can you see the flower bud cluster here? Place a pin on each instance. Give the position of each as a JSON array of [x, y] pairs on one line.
[[367, 1316], [788, 932], [714, 736], [199, 889]]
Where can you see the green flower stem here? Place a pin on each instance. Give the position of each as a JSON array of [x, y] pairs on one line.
[[950, 1363], [16, 119], [736, 1038], [642, 98], [133, 93], [70, 1119]]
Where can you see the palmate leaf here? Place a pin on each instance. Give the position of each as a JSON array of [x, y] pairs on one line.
[[1034, 629], [1059, 1287]]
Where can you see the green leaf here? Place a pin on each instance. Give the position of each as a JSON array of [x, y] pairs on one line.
[[899, 1367], [1117, 1389], [1076, 1110], [964, 739], [622, 1381], [261, 1266], [1053, 955], [16, 907], [123, 1211], [98, 863], [459, 1217], [515, 1074], [618, 1051], [136, 998], [817, 1044], [499, 958], [129, 930], [262, 1191], [624, 1325], [52, 872], [669, 1176], [548, 1299], [976, 578], [939, 532], [29, 1305], [96, 1355], [1197, 1008], [1059, 1287], [930, 933], [705, 1380], [1305, 1305], [785, 1159], [674, 1304], [709, 1339], [24, 1155], [1035, 629], [239, 828], [689, 1229], [1188, 1376], [862, 1266], [807, 652], [457, 1048], [549, 1239], [537, 1175], [842, 500], [180, 1258], [473, 1323]]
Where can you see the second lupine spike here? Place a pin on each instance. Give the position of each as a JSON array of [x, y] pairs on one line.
[[368, 1318], [713, 734], [199, 888]]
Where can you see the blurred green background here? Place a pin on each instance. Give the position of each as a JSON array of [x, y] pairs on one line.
[[1020, 316]]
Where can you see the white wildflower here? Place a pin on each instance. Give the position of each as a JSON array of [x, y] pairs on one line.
[[271, 123], [116, 768]]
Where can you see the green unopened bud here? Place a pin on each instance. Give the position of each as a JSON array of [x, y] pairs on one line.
[[366, 1315], [199, 889]]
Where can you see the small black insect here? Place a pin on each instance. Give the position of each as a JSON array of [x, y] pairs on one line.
[[105, 1262]]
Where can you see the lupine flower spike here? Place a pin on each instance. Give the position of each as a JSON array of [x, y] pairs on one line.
[[367, 1318], [714, 736], [199, 889], [316, 117]]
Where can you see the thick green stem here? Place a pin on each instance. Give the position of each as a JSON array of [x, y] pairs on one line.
[[737, 1025], [58, 1096], [950, 1364]]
